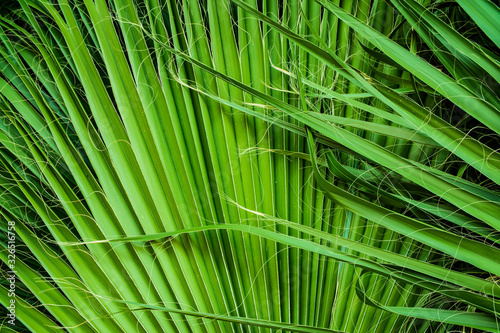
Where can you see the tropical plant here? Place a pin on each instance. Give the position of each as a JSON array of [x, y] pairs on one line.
[[250, 166]]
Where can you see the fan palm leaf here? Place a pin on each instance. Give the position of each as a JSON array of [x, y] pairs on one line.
[[249, 166]]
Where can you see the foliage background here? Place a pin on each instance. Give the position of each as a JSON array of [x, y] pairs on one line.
[[215, 166]]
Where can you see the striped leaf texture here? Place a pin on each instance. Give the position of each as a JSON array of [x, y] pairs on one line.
[[260, 166]]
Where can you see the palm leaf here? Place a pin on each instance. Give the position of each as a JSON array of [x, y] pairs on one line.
[[247, 166]]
